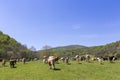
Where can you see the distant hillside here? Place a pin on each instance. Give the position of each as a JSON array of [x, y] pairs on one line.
[[62, 50], [111, 49], [70, 47], [71, 50], [9, 47]]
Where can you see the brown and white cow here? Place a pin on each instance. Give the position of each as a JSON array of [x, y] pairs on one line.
[[45, 59], [77, 57], [51, 62]]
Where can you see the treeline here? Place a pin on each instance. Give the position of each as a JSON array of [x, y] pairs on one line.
[[112, 49], [9, 47]]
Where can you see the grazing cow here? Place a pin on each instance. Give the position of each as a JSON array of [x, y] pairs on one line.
[[77, 57], [23, 60], [95, 58], [99, 60], [83, 58], [3, 63], [111, 58], [105, 58], [51, 62], [87, 57], [12, 63], [45, 59], [56, 59], [67, 60], [63, 59]]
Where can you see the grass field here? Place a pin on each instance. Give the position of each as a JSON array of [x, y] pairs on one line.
[[38, 71]]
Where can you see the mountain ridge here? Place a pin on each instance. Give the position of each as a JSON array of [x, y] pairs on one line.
[[68, 47]]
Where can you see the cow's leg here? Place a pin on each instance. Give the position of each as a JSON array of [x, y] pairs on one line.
[[53, 64], [11, 64], [77, 60], [49, 63], [44, 61]]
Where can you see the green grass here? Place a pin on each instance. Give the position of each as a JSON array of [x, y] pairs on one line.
[[39, 71]]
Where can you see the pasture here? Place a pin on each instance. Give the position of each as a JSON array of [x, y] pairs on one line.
[[36, 70]]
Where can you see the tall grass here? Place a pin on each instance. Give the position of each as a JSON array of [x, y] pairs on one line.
[[38, 71]]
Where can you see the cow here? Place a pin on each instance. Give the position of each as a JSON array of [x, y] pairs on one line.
[[51, 62], [111, 58], [67, 60], [63, 59], [57, 59], [99, 59], [105, 58], [12, 63], [3, 63], [23, 60], [87, 57], [83, 58], [45, 59], [77, 57]]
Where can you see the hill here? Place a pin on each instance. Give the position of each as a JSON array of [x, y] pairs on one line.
[[9, 47], [111, 49], [69, 47], [71, 50], [61, 51]]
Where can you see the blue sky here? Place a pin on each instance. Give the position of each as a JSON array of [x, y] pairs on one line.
[[61, 22]]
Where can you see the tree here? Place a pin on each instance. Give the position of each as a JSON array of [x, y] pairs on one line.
[[47, 50], [33, 48]]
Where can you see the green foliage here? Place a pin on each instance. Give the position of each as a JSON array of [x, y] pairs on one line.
[[112, 49], [9, 47], [70, 50]]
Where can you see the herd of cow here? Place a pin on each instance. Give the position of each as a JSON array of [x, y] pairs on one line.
[[51, 60], [12, 62]]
